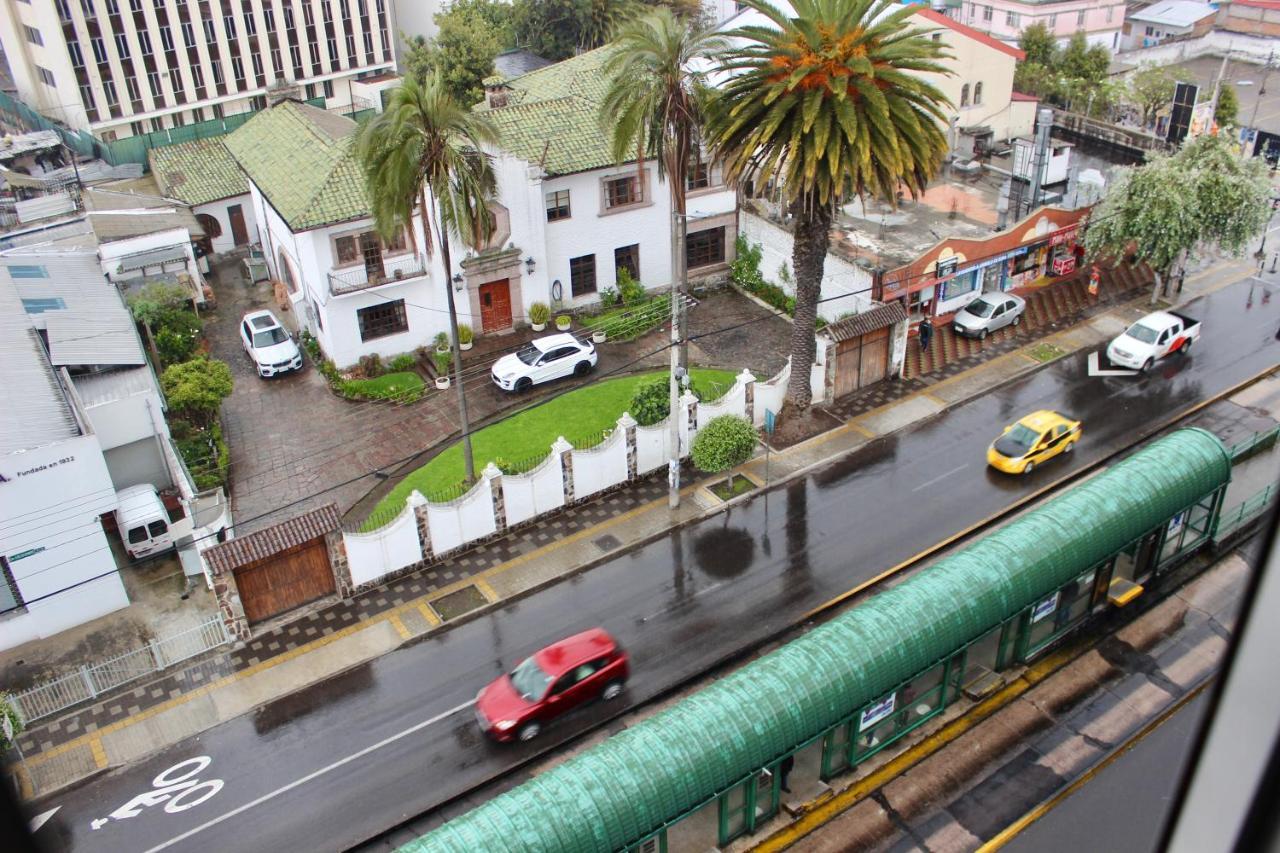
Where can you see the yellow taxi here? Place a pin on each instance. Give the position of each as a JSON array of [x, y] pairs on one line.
[[1034, 439]]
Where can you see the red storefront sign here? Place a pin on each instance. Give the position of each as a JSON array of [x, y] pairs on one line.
[[1063, 266], [1063, 236]]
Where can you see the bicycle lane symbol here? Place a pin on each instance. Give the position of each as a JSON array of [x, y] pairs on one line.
[[176, 787]]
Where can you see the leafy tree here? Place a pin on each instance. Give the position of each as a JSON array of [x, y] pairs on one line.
[[725, 442], [1039, 45], [1159, 210], [829, 104], [550, 28], [465, 46], [1039, 80], [651, 403], [1083, 62], [1151, 89], [423, 146], [195, 389], [1228, 107], [152, 301], [419, 56]]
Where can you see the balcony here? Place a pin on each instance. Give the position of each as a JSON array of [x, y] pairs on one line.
[[394, 270]]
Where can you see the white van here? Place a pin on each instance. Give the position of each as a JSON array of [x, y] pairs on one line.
[[143, 521]]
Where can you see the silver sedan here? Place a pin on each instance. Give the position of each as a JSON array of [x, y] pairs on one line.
[[988, 313]]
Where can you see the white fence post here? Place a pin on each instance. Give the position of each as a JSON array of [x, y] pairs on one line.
[[628, 425], [88, 682]]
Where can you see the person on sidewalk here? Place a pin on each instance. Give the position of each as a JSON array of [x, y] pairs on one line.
[[926, 334], [784, 770]]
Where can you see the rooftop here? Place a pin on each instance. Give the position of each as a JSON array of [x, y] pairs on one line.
[[980, 37], [17, 144], [552, 115], [95, 389], [122, 209], [301, 159], [517, 61], [1174, 13], [197, 172], [35, 411]]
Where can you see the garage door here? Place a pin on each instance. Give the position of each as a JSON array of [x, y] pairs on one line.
[[861, 361], [284, 581]]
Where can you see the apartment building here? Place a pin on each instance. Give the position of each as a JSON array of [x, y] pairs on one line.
[[1100, 20], [121, 68]]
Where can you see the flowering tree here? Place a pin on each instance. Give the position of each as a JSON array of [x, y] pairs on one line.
[[1159, 211]]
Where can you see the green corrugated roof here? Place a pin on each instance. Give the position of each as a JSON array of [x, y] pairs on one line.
[[658, 769], [554, 110], [197, 172], [301, 158]]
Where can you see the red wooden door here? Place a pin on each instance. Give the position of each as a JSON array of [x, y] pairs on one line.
[[495, 306], [239, 233]]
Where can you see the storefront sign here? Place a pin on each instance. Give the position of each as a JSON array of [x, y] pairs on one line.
[[22, 555], [1064, 266], [947, 266], [1044, 608], [877, 712], [1063, 236]]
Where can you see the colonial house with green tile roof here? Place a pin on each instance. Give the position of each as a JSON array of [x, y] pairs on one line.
[[572, 217], [358, 293], [204, 174]]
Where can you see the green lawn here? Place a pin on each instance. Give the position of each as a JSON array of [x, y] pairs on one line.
[[577, 414], [405, 386]]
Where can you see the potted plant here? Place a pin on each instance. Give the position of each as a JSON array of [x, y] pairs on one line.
[[442, 342], [538, 314], [465, 336], [562, 322], [442, 359], [599, 336]]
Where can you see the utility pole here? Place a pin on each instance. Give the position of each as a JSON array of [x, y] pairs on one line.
[[673, 420]]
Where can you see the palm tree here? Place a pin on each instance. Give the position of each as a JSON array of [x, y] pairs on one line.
[[828, 105], [424, 148], [653, 108]]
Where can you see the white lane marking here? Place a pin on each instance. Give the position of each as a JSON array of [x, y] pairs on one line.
[[310, 776], [39, 820], [683, 601], [1096, 370], [928, 483], [171, 786]]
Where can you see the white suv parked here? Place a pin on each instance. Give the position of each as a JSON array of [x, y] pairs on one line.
[[544, 359], [269, 344]]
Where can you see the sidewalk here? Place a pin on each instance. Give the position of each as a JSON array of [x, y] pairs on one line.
[[184, 702]]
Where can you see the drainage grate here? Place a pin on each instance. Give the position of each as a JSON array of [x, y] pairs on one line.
[[458, 603], [607, 542]]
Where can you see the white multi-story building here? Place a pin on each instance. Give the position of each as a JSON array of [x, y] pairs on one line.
[[121, 68]]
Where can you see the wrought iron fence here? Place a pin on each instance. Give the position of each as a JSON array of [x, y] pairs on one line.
[[1258, 441], [448, 493], [1232, 520], [521, 466], [590, 440], [89, 682], [376, 520]]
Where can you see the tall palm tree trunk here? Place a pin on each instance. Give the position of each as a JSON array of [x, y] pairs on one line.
[[812, 232], [463, 422]]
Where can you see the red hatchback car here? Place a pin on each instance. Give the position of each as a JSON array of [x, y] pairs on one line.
[[552, 682]]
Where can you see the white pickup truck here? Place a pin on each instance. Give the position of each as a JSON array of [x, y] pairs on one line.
[[1152, 338]]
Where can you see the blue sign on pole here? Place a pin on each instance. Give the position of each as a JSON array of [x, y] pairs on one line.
[[770, 419]]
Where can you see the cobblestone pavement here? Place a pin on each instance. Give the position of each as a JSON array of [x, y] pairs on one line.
[[728, 330], [334, 617]]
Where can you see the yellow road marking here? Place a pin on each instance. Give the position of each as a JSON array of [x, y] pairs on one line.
[[1009, 832], [433, 618], [928, 395], [486, 590], [398, 624], [854, 426], [99, 754]]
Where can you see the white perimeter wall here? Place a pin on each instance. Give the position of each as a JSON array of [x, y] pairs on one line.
[[389, 549], [539, 491], [846, 287]]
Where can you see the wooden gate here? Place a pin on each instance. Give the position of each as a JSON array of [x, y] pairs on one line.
[[285, 580], [861, 361]]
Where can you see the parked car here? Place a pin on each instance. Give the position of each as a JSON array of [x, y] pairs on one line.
[[544, 359], [1152, 338], [552, 682], [988, 313], [269, 344], [1034, 439]]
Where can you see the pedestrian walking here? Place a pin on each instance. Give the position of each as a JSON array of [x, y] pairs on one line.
[[926, 334], [784, 770], [1095, 276]]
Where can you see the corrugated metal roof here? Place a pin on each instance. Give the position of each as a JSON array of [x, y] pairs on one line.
[[152, 258], [635, 781], [868, 321], [263, 544], [77, 337], [33, 410], [98, 388], [125, 209]]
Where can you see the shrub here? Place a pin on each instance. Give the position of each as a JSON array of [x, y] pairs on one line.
[[205, 453], [725, 442], [401, 363], [652, 401], [465, 335], [9, 709], [370, 366], [629, 289], [311, 345], [539, 312], [441, 341], [196, 388], [608, 298], [443, 360], [173, 347], [563, 321], [745, 269]]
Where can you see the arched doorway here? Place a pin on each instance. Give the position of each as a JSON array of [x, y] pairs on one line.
[[286, 271], [212, 229]]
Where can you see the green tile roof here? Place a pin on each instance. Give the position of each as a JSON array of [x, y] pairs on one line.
[[197, 172], [302, 160], [551, 115]]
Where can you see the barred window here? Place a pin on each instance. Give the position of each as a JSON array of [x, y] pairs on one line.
[[703, 248], [622, 191], [379, 321]]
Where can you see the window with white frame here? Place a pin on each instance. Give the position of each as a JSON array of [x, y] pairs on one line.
[[46, 76], [986, 14], [1011, 19], [964, 95], [1080, 18], [33, 35], [977, 93]]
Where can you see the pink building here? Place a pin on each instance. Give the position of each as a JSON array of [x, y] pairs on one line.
[[1100, 20]]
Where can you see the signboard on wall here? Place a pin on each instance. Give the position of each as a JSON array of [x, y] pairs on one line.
[[1044, 607], [877, 712]]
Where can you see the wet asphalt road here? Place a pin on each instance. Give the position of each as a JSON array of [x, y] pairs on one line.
[[338, 763]]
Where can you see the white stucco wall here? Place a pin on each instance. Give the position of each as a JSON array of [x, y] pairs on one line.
[[652, 447], [846, 287], [219, 210], [541, 490], [388, 549], [56, 548], [600, 467]]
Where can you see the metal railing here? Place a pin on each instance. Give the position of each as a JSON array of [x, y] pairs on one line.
[[1259, 440], [89, 682], [1232, 520], [395, 269]]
